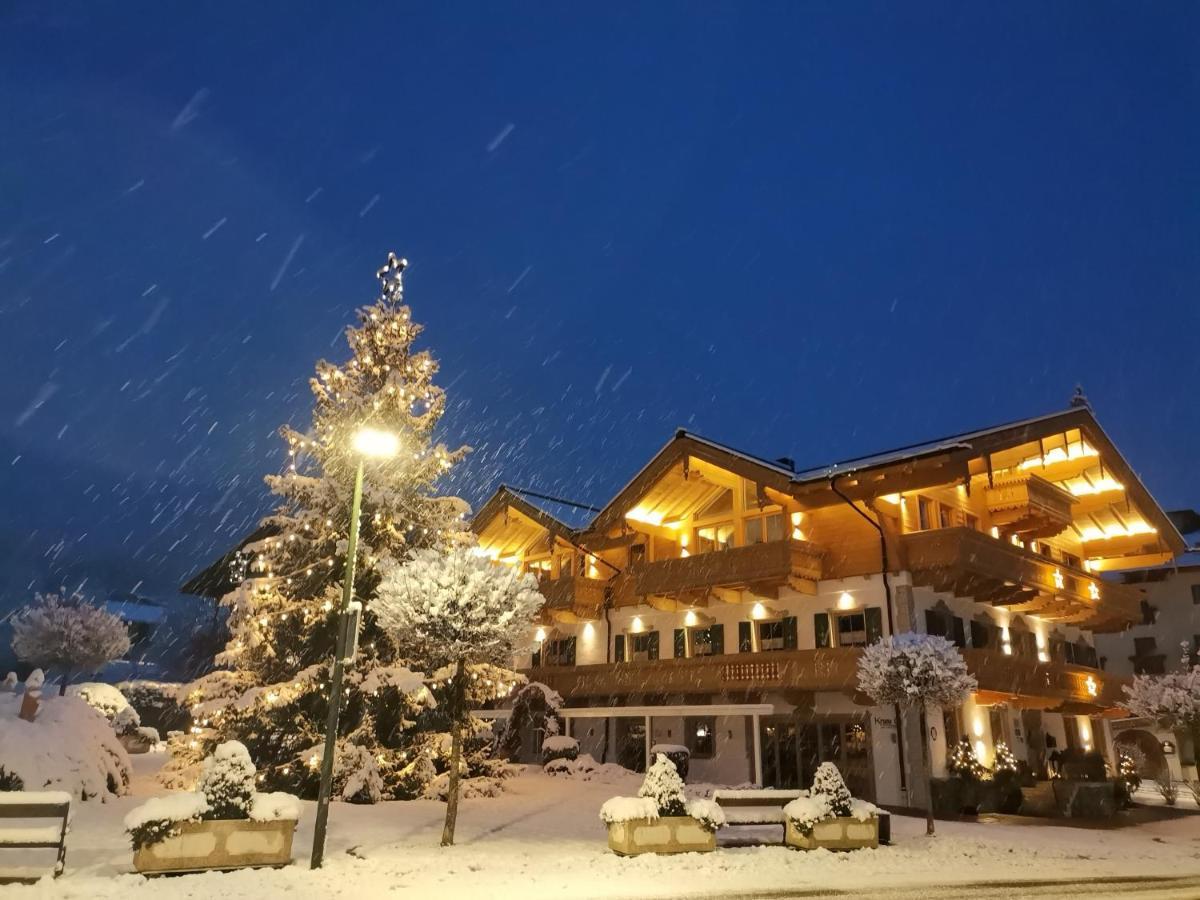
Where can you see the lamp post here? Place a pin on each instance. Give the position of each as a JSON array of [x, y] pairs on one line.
[[381, 445]]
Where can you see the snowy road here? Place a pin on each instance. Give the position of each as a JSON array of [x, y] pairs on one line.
[[1093, 889]]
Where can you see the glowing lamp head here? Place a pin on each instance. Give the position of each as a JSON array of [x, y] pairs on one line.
[[540, 635], [376, 443], [690, 619]]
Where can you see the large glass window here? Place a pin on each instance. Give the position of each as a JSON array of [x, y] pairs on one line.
[[643, 647], [770, 635]]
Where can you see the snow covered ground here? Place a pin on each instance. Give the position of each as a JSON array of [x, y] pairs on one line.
[[544, 839]]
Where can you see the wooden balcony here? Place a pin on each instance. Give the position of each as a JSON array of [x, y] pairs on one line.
[[805, 670], [1038, 685], [970, 563], [572, 598], [763, 568], [1030, 506]]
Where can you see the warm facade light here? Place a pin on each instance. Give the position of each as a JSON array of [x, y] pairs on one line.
[[645, 516], [636, 625], [1093, 590], [690, 619], [893, 499], [1092, 687], [1059, 581], [589, 631], [758, 611], [540, 635], [846, 600], [376, 443]]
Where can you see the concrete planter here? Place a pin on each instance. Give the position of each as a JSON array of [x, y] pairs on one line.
[[666, 834], [1085, 799], [219, 844], [843, 833]]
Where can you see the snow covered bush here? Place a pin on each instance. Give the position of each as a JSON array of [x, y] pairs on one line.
[[627, 809], [679, 755], [450, 609], [227, 781], [534, 708], [110, 703], [559, 747], [664, 786], [1172, 700], [805, 812], [707, 812], [916, 671], [828, 781], [67, 747], [68, 634], [226, 791], [159, 704]]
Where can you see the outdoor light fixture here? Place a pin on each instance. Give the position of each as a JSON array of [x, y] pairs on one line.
[[1090, 684], [636, 625], [540, 635], [690, 619], [589, 630], [376, 443], [846, 600]]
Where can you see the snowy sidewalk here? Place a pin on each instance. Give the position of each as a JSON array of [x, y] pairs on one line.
[[543, 839]]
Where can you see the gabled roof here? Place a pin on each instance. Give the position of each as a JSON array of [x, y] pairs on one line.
[[216, 579], [505, 497], [952, 451]]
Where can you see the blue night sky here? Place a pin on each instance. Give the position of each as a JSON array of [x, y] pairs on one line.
[[808, 229]]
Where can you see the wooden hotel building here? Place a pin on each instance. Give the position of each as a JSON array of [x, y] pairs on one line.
[[720, 600]]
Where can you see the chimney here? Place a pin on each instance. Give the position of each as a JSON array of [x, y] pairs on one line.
[[787, 462]]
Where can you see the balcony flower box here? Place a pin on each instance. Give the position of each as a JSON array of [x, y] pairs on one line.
[[811, 825]]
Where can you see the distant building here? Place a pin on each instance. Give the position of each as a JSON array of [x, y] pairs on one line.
[[144, 618], [1170, 619]]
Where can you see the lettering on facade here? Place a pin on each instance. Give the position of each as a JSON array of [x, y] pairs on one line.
[[883, 722]]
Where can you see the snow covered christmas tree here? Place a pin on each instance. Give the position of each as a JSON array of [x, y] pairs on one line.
[[828, 781], [664, 786], [271, 690]]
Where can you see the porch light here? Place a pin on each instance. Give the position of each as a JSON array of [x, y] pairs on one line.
[[589, 630], [690, 619], [846, 600], [540, 635], [636, 625], [797, 518], [758, 611]]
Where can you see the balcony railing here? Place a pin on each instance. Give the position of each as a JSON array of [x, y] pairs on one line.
[[810, 670], [970, 563], [768, 565], [1047, 685], [573, 598], [1029, 505]]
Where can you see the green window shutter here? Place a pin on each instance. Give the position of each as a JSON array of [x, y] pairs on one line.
[[537, 658], [745, 643], [619, 648], [716, 634], [653, 648], [569, 654], [933, 623], [680, 643], [979, 635], [821, 629], [874, 616], [789, 633]]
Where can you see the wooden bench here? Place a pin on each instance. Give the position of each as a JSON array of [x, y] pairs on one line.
[[26, 805], [765, 807], [754, 806]]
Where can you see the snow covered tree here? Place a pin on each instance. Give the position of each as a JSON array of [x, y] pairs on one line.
[[663, 785], [227, 781], [828, 781], [454, 608], [916, 671], [1172, 700], [68, 634], [271, 689]]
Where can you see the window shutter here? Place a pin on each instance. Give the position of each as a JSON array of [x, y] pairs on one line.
[[979, 635], [619, 648], [569, 653], [933, 622], [874, 616], [789, 632], [821, 629], [960, 637], [537, 658], [680, 643], [716, 635], [652, 649], [745, 644]]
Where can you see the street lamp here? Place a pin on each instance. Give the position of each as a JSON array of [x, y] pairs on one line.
[[380, 445]]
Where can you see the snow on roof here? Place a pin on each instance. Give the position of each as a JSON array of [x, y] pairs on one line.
[[132, 608]]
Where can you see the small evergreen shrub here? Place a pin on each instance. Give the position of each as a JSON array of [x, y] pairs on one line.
[[227, 781], [559, 747], [828, 782], [664, 786]]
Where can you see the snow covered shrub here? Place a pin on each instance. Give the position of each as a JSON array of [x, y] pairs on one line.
[[559, 747], [664, 786], [158, 704], [68, 747], [159, 818], [68, 634], [707, 812], [227, 781], [104, 698], [9, 684], [828, 781], [10, 781], [679, 755], [534, 708], [1166, 787], [805, 812]]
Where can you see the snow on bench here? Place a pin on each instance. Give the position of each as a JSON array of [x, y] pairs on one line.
[[755, 807], [17, 806]]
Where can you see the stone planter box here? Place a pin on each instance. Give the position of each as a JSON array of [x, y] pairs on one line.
[[219, 844], [1085, 799], [666, 834], [844, 833]]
